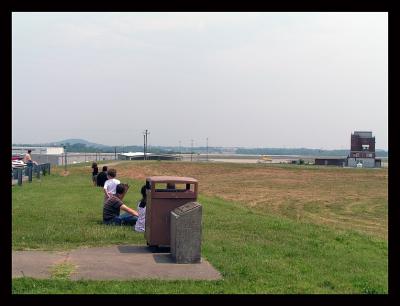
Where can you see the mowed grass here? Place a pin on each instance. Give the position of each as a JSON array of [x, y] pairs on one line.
[[65, 212], [342, 198], [256, 252]]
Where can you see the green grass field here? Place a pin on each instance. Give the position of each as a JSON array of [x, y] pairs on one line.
[[256, 252]]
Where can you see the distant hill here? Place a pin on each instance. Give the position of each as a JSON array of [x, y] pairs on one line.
[[82, 145], [74, 141]]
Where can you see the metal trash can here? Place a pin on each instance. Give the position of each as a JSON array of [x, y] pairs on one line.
[[161, 200], [186, 233]]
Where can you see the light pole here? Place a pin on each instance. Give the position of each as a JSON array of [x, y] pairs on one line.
[[144, 146], [191, 150], [207, 147], [145, 133], [65, 158]]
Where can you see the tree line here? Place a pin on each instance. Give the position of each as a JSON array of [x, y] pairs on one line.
[[84, 148]]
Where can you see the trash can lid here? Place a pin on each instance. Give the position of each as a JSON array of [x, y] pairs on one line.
[[171, 179]]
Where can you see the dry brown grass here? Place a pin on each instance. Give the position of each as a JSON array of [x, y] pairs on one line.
[[343, 198], [64, 173]]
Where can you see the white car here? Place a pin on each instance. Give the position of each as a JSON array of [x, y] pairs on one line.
[[18, 164], [359, 165]]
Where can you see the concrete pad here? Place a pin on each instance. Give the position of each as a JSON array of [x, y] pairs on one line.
[[112, 263], [135, 262], [35, 264]]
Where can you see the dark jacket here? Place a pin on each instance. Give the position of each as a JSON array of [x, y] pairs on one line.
[[101, 178]]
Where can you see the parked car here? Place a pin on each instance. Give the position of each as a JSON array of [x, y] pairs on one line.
[[17, 157], [17, 164]]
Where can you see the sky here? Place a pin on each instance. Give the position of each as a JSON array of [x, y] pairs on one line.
[[276, 80]]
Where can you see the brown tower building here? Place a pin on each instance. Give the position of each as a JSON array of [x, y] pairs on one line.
[[362, 151], [362, 145]]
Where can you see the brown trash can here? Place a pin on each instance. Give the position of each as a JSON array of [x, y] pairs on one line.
[[161, 200]]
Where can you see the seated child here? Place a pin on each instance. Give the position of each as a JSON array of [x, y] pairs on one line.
[[141, 208], [111, 184]]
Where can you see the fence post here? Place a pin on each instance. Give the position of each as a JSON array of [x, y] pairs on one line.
[[30, 174], [19, 171], [49, 165], [43, 167], [38, 171]]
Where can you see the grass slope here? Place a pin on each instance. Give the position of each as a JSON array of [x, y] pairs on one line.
[[342, 198], [255, 252]]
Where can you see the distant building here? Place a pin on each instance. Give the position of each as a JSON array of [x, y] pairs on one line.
[[362, 145], [362, 153], [149, 156], [340, 162], [362, 150], [52, 155], [38, 150], [57, 155]]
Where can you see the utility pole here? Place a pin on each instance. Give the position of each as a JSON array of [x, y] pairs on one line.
[[191, 151], [207, 147], [146, 141], [180, 151], [144, 146], [115, 153], [65, 158], [146, 132]]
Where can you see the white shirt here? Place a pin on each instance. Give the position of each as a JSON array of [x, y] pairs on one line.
[[111, 185], [140, 223]]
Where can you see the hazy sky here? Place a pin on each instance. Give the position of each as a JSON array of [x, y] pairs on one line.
[[240, 79]]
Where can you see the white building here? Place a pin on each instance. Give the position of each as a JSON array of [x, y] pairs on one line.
[[149, 156], [38, 150]]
